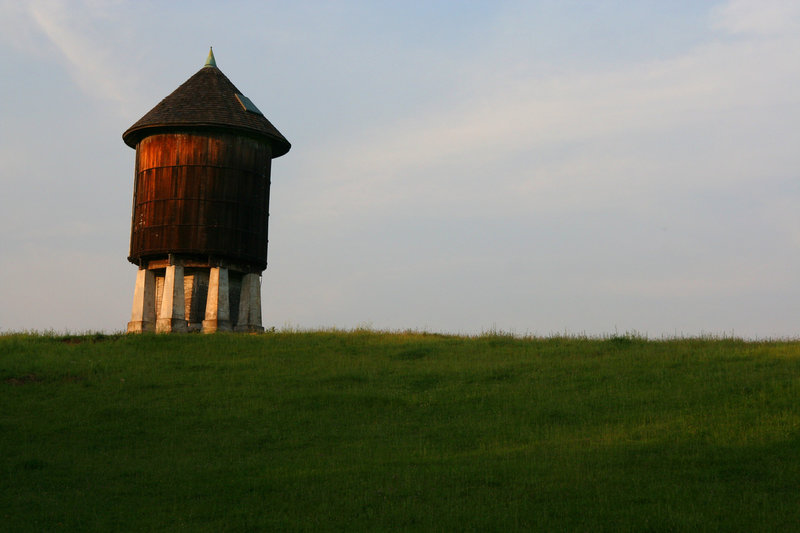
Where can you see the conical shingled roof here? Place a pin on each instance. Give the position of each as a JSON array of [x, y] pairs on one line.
[[207, 100]]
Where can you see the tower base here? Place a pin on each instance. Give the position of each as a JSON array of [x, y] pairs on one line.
[[180, 295], [140, 327]]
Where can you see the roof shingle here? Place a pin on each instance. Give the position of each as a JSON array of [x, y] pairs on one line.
[[207, 99]]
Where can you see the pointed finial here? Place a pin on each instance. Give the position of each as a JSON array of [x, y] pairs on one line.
[[211, 62]]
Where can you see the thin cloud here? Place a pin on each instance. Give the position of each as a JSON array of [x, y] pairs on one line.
[[601, 121], [84, 35], [758, 17]]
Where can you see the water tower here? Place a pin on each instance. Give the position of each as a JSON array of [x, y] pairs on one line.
[[200, 208]]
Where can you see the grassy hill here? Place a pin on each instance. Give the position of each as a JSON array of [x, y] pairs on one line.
[[369, 431]]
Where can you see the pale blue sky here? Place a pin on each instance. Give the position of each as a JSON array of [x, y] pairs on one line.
[[536, 167]]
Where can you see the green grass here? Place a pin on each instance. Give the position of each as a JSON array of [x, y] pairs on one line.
[[370, 431]]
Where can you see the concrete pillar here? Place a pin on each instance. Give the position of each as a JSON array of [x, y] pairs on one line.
[[218, 317], [250, 304], [196, 292], [143, 314], [172, 315]]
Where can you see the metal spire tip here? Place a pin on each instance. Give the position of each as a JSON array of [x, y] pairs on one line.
[[210, 61]]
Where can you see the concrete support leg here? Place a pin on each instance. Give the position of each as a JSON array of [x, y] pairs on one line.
[[250, 304], [143, 314], [196, 293], [218, 316], [172, 315]]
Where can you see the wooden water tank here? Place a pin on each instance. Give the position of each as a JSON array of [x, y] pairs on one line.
[[201, 188], [201, 194]]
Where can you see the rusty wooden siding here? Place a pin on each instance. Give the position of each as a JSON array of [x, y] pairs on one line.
[[202, 194]]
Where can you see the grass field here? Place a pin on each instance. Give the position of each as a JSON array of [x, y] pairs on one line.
[[370, 431]]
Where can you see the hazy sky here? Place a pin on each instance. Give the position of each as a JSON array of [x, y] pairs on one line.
[[535, 167]]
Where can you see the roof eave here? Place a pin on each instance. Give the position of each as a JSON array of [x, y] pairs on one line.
[[280, 146]]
